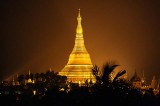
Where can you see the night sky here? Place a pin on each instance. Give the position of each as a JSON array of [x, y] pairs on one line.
[[39, 34]]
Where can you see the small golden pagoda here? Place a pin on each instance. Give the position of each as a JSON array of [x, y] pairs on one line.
[[79, 66]]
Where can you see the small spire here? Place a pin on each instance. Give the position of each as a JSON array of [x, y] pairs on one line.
[[143, 73], [158, 86], [154, 77], [135, 73], [13, 78], [13, 82], [29, 73], [50, 69], [17, 75]]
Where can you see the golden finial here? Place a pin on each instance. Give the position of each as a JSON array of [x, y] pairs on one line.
[[79, 12], [79, 26]]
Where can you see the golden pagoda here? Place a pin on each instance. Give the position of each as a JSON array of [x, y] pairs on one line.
[[79, 66]]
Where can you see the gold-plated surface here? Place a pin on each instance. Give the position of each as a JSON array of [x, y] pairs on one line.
[[79, 66]]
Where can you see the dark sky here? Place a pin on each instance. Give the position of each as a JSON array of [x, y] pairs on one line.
[[39, 34]]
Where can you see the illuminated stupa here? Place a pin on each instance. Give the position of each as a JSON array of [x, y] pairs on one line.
[[79, 66]]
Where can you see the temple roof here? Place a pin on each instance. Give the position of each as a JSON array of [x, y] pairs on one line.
[[135, 78]]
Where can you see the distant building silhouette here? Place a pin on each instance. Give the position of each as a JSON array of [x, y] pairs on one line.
[[140, 83], [136, 80], [29, 78], [154, 82]]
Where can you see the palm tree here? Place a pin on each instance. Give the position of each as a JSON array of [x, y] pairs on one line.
[[104, 76], [97, 73], [118, 75], [108, 68]]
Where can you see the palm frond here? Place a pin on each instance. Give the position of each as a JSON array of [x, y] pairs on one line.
[[119, 74], [95, 70], [108, 68]]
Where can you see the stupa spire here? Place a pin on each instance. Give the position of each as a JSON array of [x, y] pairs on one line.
[[79, 66], [79, 26], [29, 73], [50, 69], [143, 73]]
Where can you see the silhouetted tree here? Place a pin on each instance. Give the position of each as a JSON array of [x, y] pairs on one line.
[[104, 76], [21, 78], [97, 73], [108, 68], [119, 74]]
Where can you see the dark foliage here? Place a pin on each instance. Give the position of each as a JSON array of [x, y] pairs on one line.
[[104, 92]]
